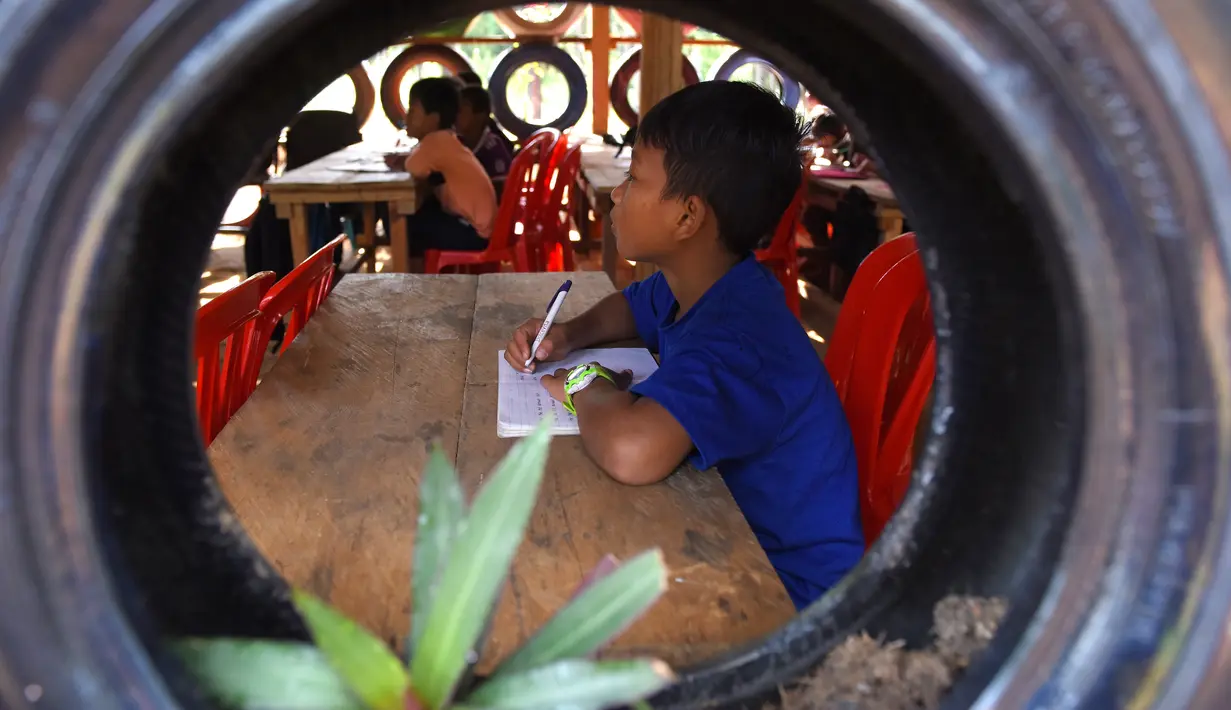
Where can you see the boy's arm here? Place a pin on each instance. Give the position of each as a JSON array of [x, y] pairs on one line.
[[633, 439], [610, 320]]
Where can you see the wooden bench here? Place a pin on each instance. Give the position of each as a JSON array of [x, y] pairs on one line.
[[322, 467]]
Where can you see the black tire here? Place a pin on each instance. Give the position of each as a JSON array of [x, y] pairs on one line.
[[621, 102], [791, 90], [391, 83], [1065, 166], [550, 54]]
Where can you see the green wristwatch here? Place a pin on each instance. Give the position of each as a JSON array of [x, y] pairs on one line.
[[580, 378]]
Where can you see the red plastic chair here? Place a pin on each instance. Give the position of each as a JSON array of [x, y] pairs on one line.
[[226, 352], [780, 256], [840, 355], [299, 294], [883, 365], [517, 205], [554, 251]]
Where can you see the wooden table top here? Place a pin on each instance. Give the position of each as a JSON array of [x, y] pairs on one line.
[[601, 169], [323, 462], [877, 189], [357, 172]]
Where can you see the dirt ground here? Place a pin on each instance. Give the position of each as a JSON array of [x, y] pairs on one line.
[[866, 674]]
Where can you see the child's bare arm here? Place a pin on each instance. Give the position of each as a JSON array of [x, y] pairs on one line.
[[608, 321]]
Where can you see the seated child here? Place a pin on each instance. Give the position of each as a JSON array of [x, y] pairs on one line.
[[739, 386], [473, 127], [458, 203]]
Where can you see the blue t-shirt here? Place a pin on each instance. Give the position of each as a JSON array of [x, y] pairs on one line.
[[738, 372]]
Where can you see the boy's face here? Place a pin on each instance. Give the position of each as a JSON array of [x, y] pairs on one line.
[[645, 225], [467, 118], [419, 123]]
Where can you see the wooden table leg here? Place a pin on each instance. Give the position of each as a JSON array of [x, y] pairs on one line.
[[891, 221], [399, 242], [299, 233], [611, 256], [366, 240]]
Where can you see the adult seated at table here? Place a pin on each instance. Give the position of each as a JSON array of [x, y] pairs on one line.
[[474, 118], [457, 202]]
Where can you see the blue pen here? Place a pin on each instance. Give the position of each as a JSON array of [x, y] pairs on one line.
[[553, 307]]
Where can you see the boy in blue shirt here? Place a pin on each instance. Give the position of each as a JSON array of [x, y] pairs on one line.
[[739, 386]]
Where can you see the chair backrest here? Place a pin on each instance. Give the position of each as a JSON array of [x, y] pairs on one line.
[[840, 355], [780, 254], [551, 229], [784, 235], [518, 199], [299, 294], [226, 352], [891, 364]]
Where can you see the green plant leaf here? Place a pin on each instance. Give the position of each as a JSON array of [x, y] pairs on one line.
[[371, 670], [574, 684], [243, 674], [476, 569], [596, 616], [442, 515]]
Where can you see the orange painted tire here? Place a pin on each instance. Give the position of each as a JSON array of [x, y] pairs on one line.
[[411, 57], [365, 94], [519, 26], [620, 102]]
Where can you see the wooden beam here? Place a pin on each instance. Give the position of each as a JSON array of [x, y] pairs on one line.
[[661, 59], [600, 55], [661, 75]]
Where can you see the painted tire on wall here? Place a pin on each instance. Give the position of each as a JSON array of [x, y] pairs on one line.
[[519, 26], [411, 57], [365, 94], [621, 103], [791, 89], [550, 54]]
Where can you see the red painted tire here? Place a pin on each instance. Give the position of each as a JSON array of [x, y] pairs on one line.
[[620, 102], [411, 57]]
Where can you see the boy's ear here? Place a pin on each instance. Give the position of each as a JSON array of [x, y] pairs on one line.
[[693, 211]]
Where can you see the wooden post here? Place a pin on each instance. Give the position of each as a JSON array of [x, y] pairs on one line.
[[600, 57], [661, 59], [661, 75]]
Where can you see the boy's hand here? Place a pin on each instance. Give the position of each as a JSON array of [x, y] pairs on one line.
[[396, 161], [555, 345], [554, 383]]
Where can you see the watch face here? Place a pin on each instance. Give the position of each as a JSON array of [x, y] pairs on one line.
[[573, 386], [577, 369]]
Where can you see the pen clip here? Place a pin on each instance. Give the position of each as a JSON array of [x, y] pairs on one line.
[[564, 287]]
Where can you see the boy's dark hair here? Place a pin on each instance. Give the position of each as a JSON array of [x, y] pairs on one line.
[[469, 78], [828, 124], [479, 100], [438, 95], [734, 145]]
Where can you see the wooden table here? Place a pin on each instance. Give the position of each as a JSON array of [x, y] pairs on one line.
[[601, 173], [354, 174], [826, 191], [323, 462]]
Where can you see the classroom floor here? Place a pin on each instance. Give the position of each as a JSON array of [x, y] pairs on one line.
[[818, 311]]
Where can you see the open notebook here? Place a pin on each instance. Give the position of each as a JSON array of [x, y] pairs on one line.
[[522, 402]]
